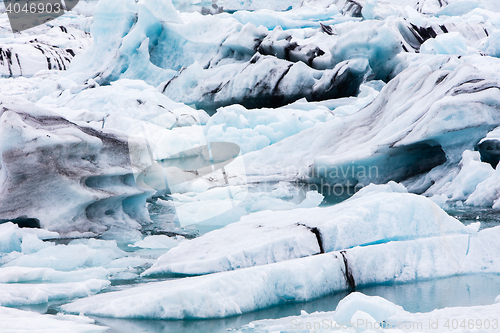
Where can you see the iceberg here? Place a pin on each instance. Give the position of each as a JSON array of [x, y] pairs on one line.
[[79, 253], [219, 206], [19, 274], [54, 50], [422, 119], [489, 148], [46, 47], [74, 264], [264, 81], [235, 292], [376, 214], [255, 129], [123, 122], [8, 239], [120, 105], [474, 184], [84, 184], [158, 242], [434, 250]]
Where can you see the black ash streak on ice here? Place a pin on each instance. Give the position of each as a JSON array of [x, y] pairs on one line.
[[14, 61], [317, 233], [349, 278]]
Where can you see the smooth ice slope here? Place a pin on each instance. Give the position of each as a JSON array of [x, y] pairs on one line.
[[376, 214]]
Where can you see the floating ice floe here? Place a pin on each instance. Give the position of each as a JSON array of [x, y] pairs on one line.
[[235, 292], [376, 214], [16, 294], [81, 253], [36, 272], [220, 206], [14, 320]]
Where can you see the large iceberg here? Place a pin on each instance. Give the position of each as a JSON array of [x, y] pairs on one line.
[[422, 119], [376, 214]]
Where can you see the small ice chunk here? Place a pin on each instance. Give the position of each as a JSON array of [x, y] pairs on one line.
[[9, 241], [156, 242], [363, 321], [31, 244], [473, 227], [376, 307], [450, 43]]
